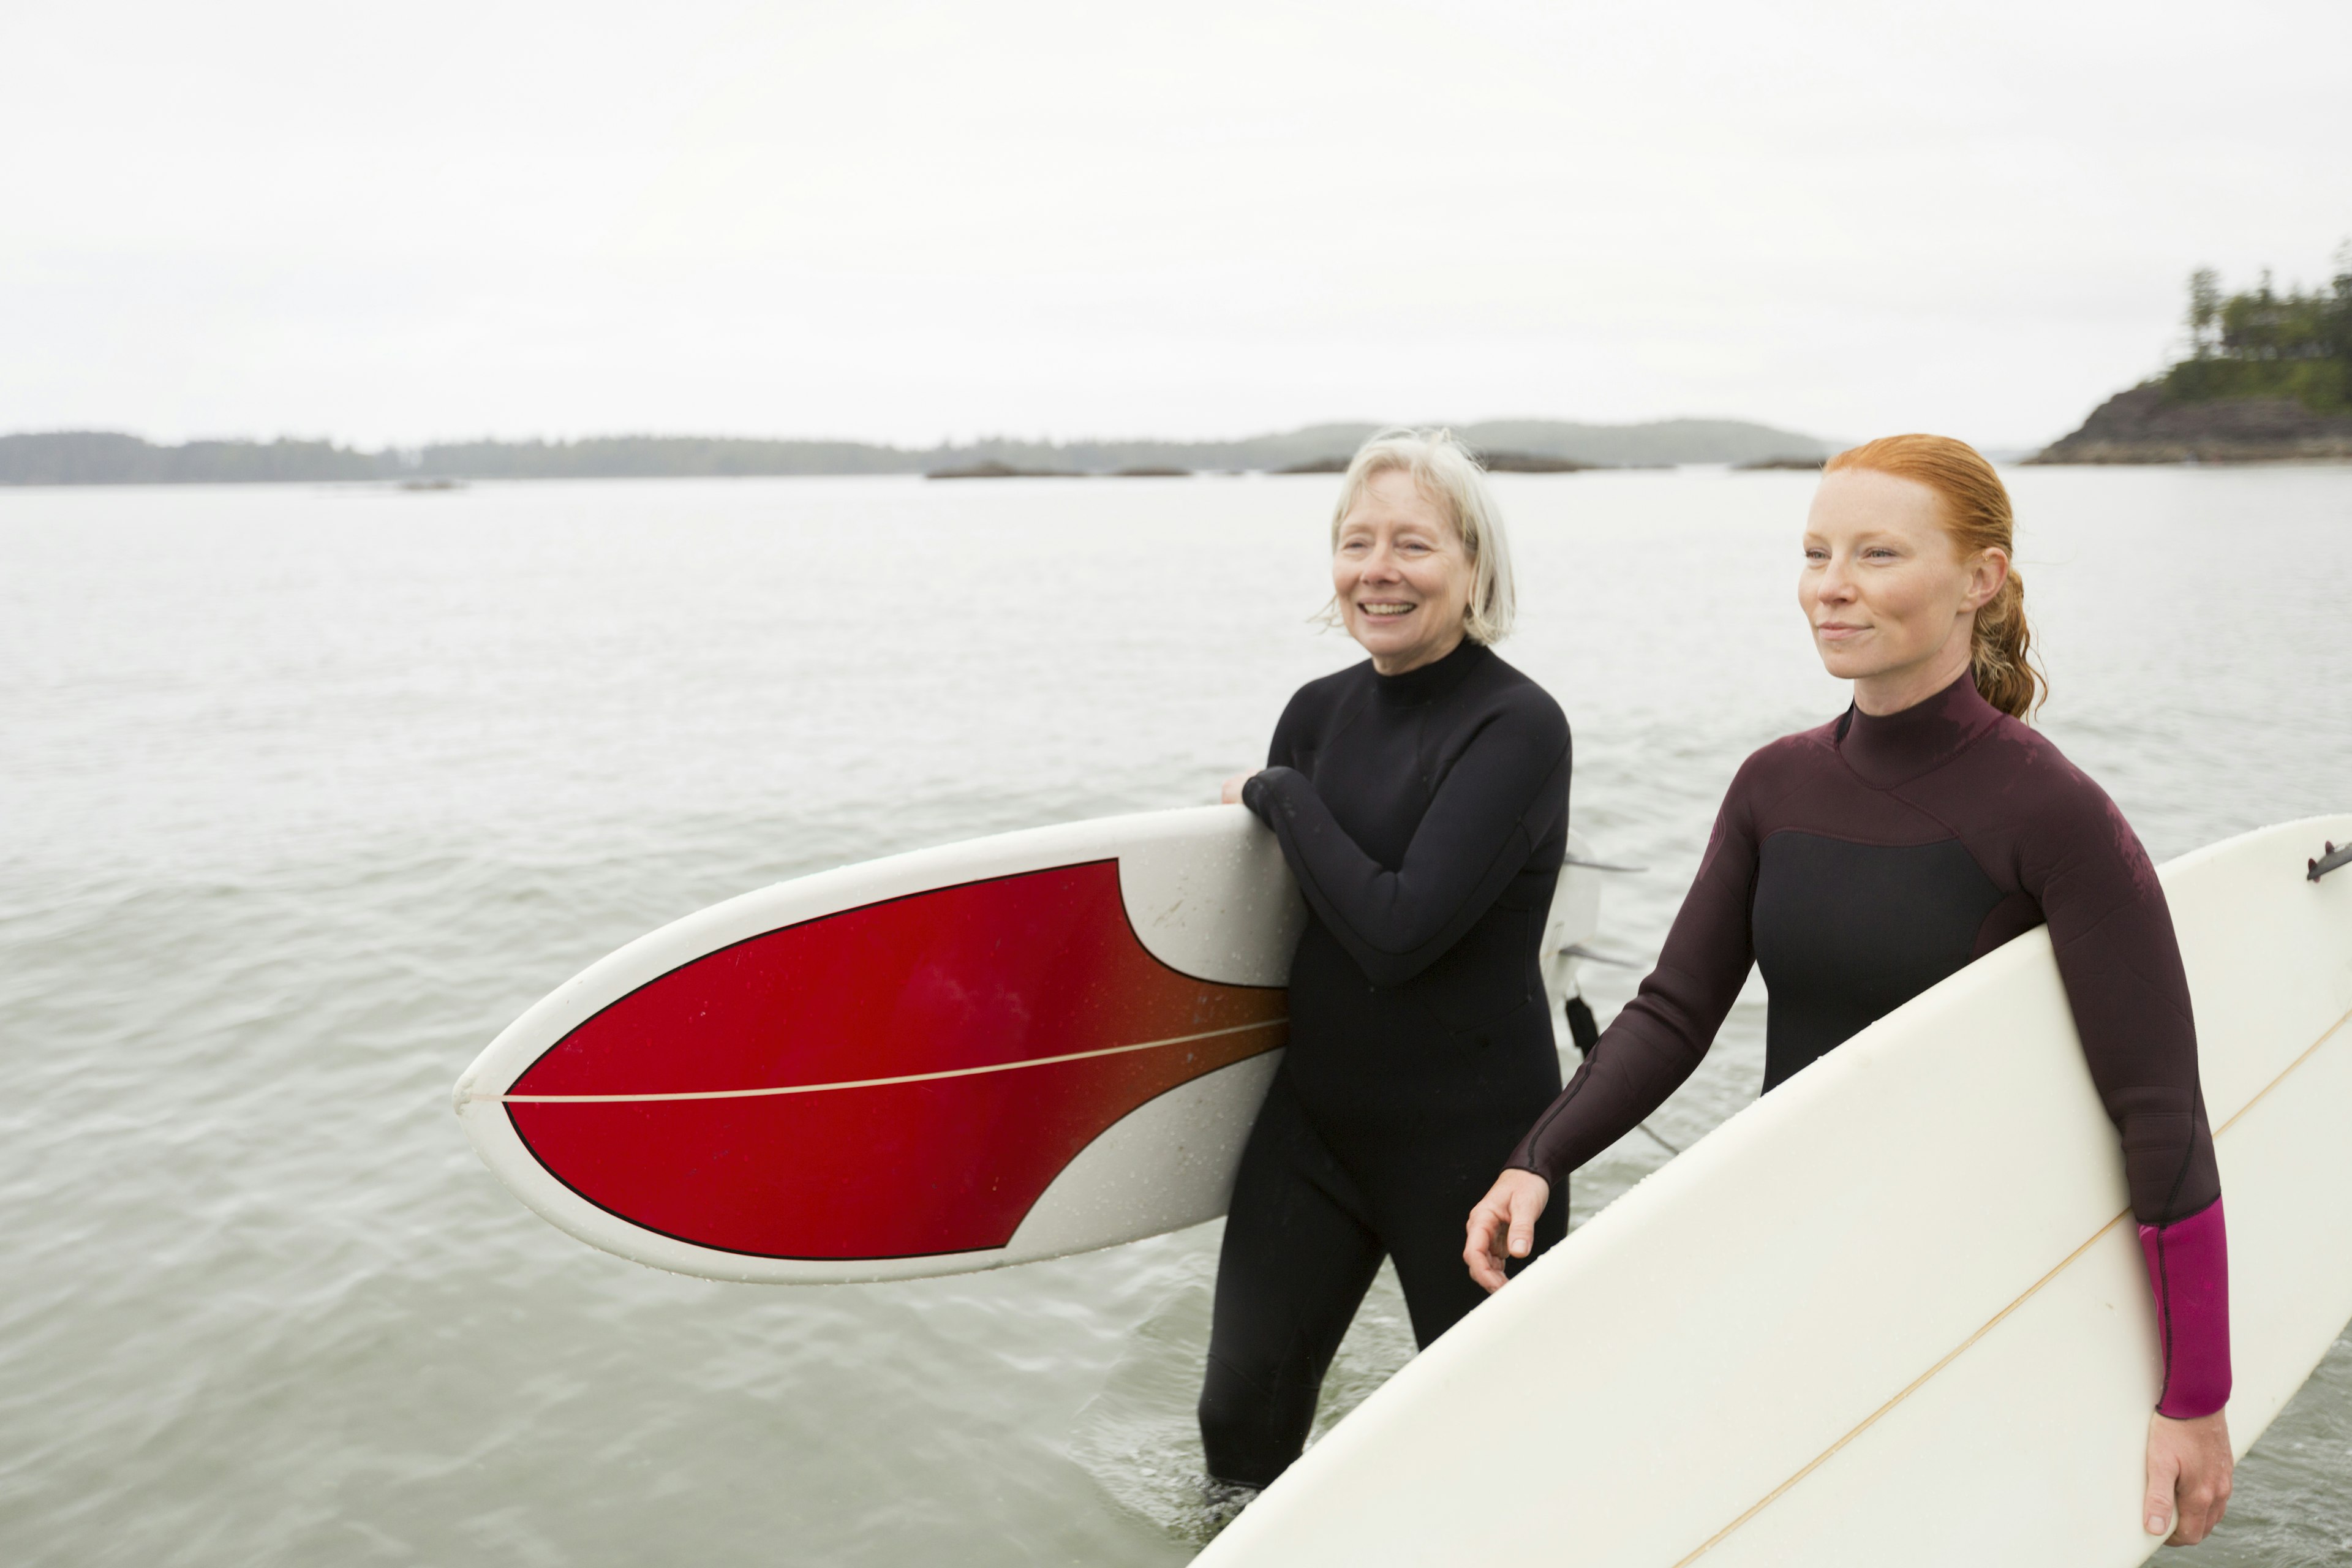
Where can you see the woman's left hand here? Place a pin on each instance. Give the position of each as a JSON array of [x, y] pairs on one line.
[[2189, 1471], [1233, 794]]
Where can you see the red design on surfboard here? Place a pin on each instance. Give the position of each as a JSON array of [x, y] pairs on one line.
[[981, 975]]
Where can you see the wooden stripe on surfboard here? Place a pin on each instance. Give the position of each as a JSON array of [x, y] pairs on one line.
[[1921, 1381], [878, 1082]]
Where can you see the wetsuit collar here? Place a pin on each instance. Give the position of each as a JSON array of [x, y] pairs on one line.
[[1888, 748], [1433, 679]]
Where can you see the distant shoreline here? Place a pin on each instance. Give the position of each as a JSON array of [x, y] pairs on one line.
[[1516, 446]]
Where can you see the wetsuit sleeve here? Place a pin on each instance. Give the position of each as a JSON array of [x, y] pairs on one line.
[[2121, 964], [1282, 750], [1658, 1038], [1504, 794]]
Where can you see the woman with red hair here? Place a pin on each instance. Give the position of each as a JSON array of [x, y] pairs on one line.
[[1859, 863]]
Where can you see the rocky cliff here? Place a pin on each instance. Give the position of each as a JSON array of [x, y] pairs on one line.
[[2143, 426]]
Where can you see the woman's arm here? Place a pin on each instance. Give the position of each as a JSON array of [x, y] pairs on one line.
[[1505, 792], [1649, 1048], [2112, 934], [1658, 1038]]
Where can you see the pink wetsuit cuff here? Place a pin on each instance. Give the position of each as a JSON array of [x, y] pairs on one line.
[[2189, 1270]]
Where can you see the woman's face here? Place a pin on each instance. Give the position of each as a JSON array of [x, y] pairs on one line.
[[1401, 574], [1891, 602]]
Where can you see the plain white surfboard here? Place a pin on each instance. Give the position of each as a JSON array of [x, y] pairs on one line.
[[1895, 1312], [1206, 892]]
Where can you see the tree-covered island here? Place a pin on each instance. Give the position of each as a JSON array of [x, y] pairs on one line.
[[2268, 377]]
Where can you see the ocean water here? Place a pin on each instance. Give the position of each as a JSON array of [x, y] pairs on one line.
[[308, 792]]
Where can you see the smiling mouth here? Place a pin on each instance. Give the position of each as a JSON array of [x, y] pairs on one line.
[[1386, 609]]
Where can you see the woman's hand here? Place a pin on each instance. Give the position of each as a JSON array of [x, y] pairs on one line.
[[1509, 1208], [2189, 1468], [1233, 793]]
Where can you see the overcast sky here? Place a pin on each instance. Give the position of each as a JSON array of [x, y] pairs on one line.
[[906, 221]]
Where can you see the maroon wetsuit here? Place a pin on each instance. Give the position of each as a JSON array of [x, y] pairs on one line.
[[1860, 863]]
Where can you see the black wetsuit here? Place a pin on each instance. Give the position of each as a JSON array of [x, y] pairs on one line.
[[1860, 863], [1425, 815]]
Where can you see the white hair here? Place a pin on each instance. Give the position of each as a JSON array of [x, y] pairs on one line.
[[1448, 474]]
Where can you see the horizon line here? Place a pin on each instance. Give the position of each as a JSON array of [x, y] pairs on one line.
[[944, 443]]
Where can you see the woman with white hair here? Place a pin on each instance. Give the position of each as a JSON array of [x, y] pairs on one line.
[[1421, 798]]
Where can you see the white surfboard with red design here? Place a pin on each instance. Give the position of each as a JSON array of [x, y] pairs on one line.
[[978, 1054]]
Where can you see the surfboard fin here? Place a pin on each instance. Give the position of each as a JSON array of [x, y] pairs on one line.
[[1580, 1027], [2331, 858]]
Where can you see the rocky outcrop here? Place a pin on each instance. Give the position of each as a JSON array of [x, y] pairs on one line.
[[995, 470], [2143, 426], [1530, 463]]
